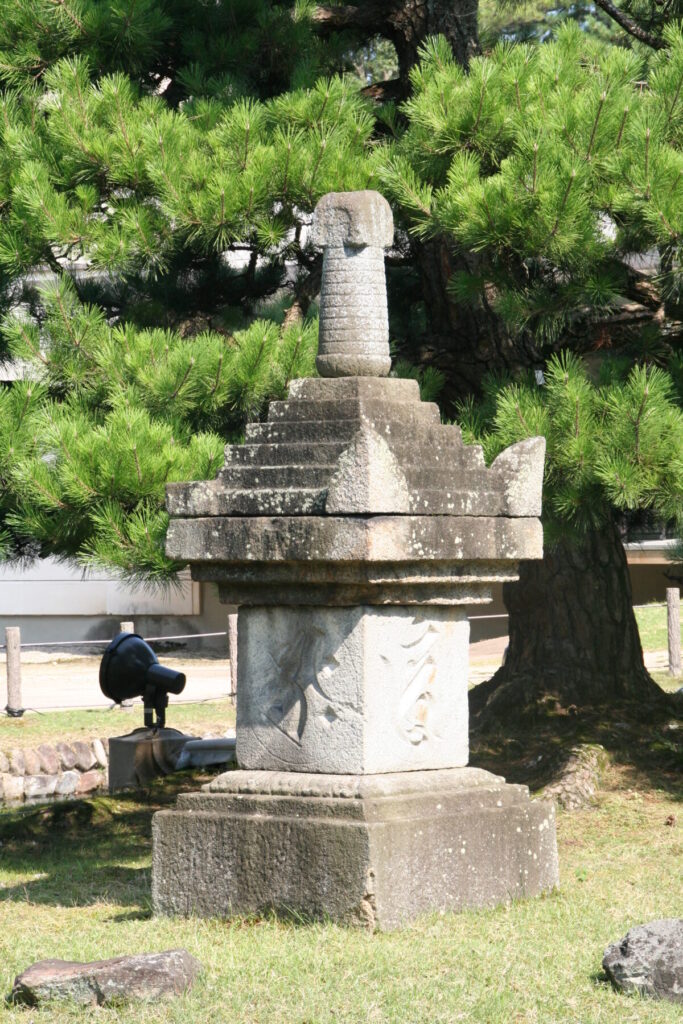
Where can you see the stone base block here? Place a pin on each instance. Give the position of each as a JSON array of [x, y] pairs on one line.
[[370, 850], [143, 755]]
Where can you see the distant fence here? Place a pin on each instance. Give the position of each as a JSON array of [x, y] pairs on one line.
[[13, 647]]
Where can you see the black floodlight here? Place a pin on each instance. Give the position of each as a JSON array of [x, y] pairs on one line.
[[130, 668]]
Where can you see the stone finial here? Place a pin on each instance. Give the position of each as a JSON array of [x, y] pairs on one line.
[[353, 218], [353, 229]]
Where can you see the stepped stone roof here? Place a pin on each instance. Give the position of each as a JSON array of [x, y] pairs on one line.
[[353, 490], [362, 446]]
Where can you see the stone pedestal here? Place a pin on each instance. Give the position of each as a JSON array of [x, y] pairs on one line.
[[370, 850], [351, 528]]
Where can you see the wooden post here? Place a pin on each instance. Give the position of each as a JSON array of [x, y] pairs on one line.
[[232, 653], [13, 652], [673, 622], [126, 627]]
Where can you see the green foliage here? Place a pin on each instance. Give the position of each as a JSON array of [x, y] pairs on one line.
[[177, 150], [551, 163], [101, 170], [115, 414], [211, 49], [612, 446], [430, 379], [151, 183], [526, 20]]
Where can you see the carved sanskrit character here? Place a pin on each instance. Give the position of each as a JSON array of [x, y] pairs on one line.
[[353, 229]]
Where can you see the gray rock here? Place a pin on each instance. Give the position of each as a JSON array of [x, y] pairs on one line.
[[100, 753], [85, 759], [363, 522], [370, 851], [89, 782], [32, 765], [147, 977], [4, 763], [360, 450], [67, 783], [66, 756], [347, 690], [17, 765], [355, 219], [12, 788], [344, 560], [49, 759], [39, 786], [649, 960]]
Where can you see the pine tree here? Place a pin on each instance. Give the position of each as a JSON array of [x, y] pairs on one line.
[[613, 445], [115, 414], [529, 183], [177, 150]]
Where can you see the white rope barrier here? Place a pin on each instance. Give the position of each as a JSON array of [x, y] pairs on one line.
[[82, 643]]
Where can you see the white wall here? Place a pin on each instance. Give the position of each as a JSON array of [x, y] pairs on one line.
[[52, 601], [49, 587]]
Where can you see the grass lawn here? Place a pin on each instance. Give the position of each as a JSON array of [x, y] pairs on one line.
[[75, 884], [651, 620]]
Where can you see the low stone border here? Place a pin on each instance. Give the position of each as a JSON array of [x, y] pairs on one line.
[[53, 771]]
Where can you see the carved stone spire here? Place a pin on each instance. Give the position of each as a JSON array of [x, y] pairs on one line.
[[353, 229]]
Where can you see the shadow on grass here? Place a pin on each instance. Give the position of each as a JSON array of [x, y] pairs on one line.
[[131, 915], [78, 853], [533, 743]]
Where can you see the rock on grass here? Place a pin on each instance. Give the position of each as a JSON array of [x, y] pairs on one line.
[[147, 977], [649, 960]]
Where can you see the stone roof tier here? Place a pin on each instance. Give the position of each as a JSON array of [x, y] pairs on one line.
[[353, 491]]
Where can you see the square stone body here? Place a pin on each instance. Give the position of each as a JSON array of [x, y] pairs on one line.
[[357, 690]]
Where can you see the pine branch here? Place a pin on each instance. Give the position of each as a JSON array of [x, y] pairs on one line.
[[631, 26]]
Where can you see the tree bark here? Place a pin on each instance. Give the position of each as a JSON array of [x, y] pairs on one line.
[[573, 633], [630, 25], [464, 342], [413, 21], [407, 23]]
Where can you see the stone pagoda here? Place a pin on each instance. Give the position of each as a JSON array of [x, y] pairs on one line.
[[351, 528]]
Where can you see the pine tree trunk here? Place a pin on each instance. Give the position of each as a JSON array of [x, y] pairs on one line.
[[407, 23], [413, 21], [573, 633], [464, 342]]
